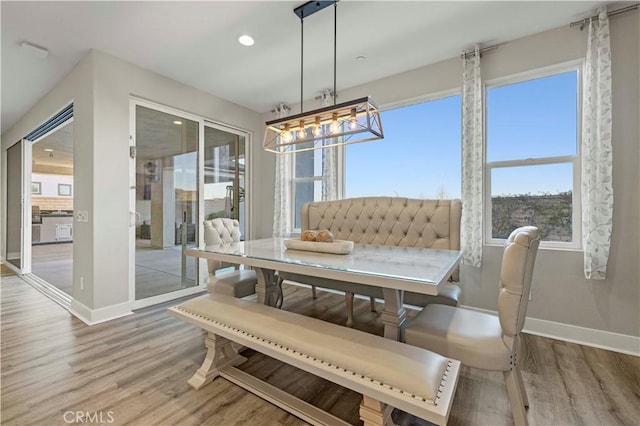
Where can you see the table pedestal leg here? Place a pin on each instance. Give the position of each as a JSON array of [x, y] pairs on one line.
[[394, 315], [267, 289]]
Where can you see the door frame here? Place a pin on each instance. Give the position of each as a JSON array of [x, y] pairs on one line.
[[202, 271]]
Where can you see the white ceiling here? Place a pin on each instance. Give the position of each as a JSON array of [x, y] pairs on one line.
[[196, 42]]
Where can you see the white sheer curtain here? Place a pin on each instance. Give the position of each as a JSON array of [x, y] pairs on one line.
[[597, 161], [282, 203], [329, 162], [471, 226]]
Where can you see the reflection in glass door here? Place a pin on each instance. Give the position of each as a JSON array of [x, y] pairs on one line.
[[224, 175], [14, 225], [166, 204]]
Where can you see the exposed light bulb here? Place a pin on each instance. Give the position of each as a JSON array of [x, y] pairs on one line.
[[353, 121], [287, 137], [334, 127], [317, 128], [302, 133]]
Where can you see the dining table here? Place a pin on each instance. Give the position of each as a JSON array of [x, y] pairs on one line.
[[391, 268]]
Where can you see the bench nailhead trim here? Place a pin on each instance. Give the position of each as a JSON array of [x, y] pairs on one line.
[[219, 324]]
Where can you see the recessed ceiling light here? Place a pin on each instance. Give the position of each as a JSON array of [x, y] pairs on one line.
[[48, 150], [360, 58], [178, 122], [246, 40]]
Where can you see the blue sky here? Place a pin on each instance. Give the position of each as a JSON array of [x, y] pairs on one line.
[[420, 154]]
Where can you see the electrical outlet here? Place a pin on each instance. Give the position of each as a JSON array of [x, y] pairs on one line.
[[82, 216]]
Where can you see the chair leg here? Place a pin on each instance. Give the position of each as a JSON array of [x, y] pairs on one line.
[[523, 390], [372, 303], [348, 298], [313, 292], [515, 398]]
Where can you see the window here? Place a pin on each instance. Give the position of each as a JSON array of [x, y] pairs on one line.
[[307, 180], [532, 160], [419, 157]]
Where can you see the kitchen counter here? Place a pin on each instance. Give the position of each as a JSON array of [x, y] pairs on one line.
[[56, 228]]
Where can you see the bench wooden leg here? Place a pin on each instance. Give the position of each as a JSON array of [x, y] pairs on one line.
[[314, 293], [220, 354], [375, 413], [348, 300]]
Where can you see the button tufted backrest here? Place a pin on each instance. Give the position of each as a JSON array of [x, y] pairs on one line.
[[391, 221], [516, 272], [220, 231]]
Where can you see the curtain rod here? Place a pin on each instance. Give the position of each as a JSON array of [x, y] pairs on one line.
[[585, 21], [483, 50], [582, 23]]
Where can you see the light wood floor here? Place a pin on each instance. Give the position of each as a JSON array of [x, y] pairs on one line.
[[135, 370]]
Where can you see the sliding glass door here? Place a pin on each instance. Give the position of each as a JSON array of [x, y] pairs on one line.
[[166, 202], [184, 170], [224, 174]]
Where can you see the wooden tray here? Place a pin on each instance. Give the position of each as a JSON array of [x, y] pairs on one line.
[[336, 247]]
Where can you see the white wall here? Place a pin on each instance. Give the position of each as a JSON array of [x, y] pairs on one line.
[[100, 86], [560, 292], [49, 184], [77, 86]]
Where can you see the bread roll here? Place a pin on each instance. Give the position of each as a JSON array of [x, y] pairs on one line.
[[309, 236], [324, 236]]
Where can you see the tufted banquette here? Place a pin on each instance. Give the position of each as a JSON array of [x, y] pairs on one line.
[[395, 221]]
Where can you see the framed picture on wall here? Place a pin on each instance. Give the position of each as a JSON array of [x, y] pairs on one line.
[[64, 190], [36, 188]]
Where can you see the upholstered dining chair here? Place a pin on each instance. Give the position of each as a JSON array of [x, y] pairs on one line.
[[486, 341], [237, 283]]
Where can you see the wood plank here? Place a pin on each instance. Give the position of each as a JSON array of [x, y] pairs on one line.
[[137, 367]]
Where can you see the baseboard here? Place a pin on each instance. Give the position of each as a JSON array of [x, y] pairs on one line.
[[95, 316], [615, 342]]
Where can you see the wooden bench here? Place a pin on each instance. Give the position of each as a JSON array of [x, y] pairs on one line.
[[387, 373]]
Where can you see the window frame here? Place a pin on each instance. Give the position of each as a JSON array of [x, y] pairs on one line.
[[318, 178], [574, 160]]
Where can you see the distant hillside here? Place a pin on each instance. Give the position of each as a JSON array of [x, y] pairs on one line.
[[552, 215]]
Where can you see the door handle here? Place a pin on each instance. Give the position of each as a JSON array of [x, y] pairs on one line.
[[133, 218]]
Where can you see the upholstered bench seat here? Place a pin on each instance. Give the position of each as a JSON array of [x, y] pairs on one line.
[[412, 379]]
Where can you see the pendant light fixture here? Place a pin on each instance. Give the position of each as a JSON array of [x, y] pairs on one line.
[[348, 122]]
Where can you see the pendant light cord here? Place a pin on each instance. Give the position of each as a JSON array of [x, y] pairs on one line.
[[335, 44], [301, 62]]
